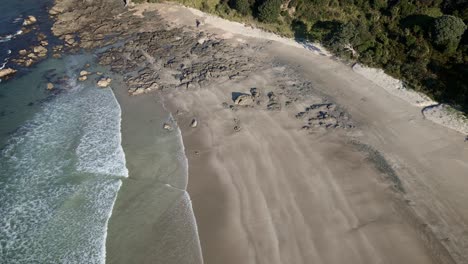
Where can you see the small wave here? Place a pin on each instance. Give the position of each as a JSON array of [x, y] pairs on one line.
[[5, 61], [18, 20], [10, 36], [4, 64]]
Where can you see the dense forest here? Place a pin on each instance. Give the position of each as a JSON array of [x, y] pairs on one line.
[[423, 42]]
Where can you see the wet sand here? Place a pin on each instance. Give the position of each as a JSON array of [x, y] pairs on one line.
[[152, 218]]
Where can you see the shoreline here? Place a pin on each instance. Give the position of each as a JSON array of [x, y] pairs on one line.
[[250, 198], [152, 196]]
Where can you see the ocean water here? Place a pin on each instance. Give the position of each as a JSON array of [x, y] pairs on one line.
[[61, 160], [12, 38], [60, 173]]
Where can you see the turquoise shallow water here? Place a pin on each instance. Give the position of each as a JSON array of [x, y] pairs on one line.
[[60, 172]]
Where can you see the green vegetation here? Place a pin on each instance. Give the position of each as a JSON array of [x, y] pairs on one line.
[[269, 11], [423, 42], [447, 31], [242, 6]]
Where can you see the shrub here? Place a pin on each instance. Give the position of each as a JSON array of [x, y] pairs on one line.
[[242, 6], [269, 11], [447, 31]]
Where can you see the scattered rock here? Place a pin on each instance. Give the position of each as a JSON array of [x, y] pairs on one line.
[[99, 73], [5, 73], [237, 126], [104, 82], [84, 73], [29, 21], [57, 48], [255, 93], [225, 105], [273, 102], [244, 100], [50, 86], [194, 123], [201, 40], [324, 115], [23, 52], [41, 36], [82, 78]]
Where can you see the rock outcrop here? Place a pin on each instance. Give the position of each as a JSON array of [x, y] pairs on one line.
[[244, 100], [5, 73]]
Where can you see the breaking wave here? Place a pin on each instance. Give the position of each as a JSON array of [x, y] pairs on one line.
[[60, 174]]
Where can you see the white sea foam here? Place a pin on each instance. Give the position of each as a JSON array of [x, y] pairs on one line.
[[55, 204], [10, 36]]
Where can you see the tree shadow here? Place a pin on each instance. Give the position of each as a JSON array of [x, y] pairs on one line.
[[422, 21], [300, 30]]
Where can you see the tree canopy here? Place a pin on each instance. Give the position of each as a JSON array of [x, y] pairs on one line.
[[447, 30], [269, 10]]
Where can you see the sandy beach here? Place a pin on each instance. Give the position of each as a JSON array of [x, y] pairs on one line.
[[300, 195], [317, 164]]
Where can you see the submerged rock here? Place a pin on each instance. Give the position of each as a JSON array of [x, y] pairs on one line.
[[104, 82], [194, 123], [84, 73], [82, 78], [29, 21], [5, 73], [28, 62], [167, 126]]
